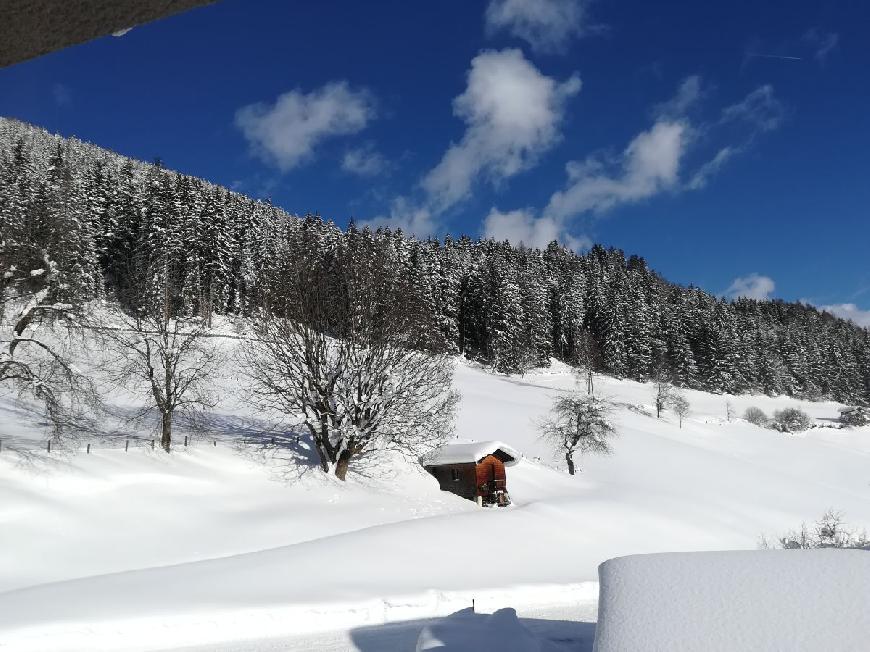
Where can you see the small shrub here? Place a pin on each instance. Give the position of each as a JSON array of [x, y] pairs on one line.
[[855, 417], [828, 532], [756, 416], [791, 420]]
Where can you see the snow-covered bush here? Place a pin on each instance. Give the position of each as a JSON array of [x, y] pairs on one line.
[[791, 420], [855, 416], [756, 416], [828, 532]]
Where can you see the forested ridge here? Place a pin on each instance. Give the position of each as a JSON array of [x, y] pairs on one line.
[[97, 216]]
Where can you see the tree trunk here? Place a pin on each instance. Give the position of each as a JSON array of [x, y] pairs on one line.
[[166, 431], [570, 459], [342, 465]]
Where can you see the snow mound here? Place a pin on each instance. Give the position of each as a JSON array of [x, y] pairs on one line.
[[468, 453], [742, 600], [466, 631]]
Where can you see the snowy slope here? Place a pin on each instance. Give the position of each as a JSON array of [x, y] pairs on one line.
[[219, 544]]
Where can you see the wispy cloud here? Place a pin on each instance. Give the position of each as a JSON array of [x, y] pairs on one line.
[[647, 166], [822, 43], [688, 95], [709, 169], [849, 311], [652, 163], [287, 132], [409, 217], [548, 26], [760, 108], [364, 161], [751, 286], [522, 227], [61, 94]]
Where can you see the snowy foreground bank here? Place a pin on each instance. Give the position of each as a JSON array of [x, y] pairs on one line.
[[797, 600], [244, 547]]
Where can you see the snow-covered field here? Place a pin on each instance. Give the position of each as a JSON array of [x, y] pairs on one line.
[[241, 546]]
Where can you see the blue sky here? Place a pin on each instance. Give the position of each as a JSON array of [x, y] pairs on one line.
[[725, 142]]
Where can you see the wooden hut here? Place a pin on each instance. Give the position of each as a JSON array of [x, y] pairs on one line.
[[475, 471]]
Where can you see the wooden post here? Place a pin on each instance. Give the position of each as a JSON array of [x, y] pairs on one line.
[[152, 444], [127, 446], [89, 449], [214, 442], [49, 445], [185, 440], [1, 445], [273, 441], [472, 604]]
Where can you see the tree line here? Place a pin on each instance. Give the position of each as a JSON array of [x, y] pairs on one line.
[[109, 224]]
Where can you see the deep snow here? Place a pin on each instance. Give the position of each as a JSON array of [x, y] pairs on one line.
[[215, 545], [797, 600]]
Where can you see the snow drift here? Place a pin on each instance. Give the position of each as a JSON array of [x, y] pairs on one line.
[[742, 600]]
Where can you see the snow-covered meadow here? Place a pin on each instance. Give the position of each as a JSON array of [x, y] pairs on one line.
[[233, 543]]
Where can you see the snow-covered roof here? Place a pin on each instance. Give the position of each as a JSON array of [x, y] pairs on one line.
[[466, 453]]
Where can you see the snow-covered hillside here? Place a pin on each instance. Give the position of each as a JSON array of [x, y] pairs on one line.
[[241, 546]]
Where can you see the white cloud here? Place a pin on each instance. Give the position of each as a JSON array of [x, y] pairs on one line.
[[649, 165], [287, 132], [688, 95], [546, 25], [405, 215], [712, 167], [752, 286], [849, 311], [522, 227], [364, 161], [513, 115], [760, 109], [823, 43]]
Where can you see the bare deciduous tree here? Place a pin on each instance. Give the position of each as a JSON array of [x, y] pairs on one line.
[[38, 364], [662, 396], [340, 351], [579, 424], [166, 357], [588, 360], [729, 411], [680, 405]]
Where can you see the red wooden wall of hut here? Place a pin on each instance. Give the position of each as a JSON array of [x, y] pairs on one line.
[[491, 475]]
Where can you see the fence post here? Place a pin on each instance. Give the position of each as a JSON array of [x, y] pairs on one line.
[[185, 440], [127, 446], [273, 441], [89, 449], [215, 442], [49, 445]]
